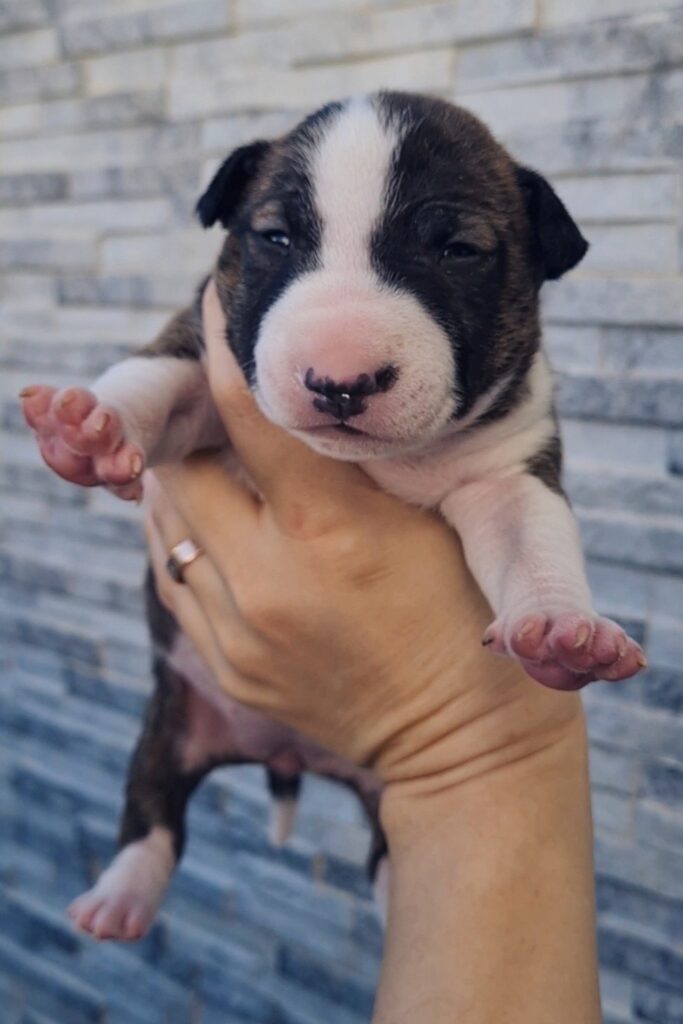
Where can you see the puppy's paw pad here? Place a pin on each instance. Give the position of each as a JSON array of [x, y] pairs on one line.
[[36, 404], [84, 441], [570, 649], [86, 426], [123, 916], [522, 638]]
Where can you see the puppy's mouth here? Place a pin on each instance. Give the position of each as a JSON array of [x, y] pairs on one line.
[[340, 427], [346, 428]]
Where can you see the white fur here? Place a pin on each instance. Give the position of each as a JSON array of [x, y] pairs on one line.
[[428, 475], [164, 403], [350, 174], [127, 895], [522, 543], [521, 540], [283, 814]]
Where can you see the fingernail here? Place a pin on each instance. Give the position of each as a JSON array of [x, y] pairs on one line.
[[102, 422], [136, 465], [27, 392], [525, 630], [582, 636]]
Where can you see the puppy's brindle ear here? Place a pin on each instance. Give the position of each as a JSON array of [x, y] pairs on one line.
[[226, 189], [557, 245]]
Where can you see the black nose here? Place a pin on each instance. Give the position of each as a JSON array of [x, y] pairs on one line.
[[344, 399]]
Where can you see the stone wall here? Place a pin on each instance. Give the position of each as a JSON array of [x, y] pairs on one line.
[[112, 116]]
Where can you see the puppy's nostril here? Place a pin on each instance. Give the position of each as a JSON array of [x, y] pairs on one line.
[[386, 378], [364, 385], [321, 385]]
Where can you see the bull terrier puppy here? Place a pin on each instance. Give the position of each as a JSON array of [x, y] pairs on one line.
[[380, 278]]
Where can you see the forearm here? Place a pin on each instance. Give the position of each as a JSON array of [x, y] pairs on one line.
[[492, 914]]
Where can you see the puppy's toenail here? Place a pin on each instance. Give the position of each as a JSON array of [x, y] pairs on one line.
[[67, 399], [136, 465], [642, 660], [525, 630], [28, 392], [582, 637], [102, 422], [486, 641]]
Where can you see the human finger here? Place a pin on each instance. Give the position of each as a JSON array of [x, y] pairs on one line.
[[182, 603], [168, 528], [219, 513]]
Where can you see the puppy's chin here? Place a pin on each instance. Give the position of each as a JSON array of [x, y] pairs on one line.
[[360, 439], [337, 443]]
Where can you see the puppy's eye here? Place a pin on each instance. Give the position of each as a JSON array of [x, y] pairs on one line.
[[455, 250], [276, 237]]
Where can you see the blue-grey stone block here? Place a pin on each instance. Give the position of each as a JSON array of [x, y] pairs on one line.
[[20, 189], [36, 927], [634, 949], [645, 400], [664, 779], [347, 876], [145, 994], [626, 902], [657, 1005], [663, 688], [243, 997], [675, 452], [50, 988], [342, 987]]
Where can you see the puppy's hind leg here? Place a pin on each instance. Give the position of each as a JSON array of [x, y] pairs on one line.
[[123, 902]]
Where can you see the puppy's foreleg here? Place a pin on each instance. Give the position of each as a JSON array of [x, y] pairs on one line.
[[522, 544], [153, 407]]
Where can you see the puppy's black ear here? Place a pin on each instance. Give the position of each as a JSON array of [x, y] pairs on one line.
[[557, 245], [223, 195]]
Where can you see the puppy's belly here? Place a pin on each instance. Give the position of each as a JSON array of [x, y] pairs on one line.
[[219, 727]]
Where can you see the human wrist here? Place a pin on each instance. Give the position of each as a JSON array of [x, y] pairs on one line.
[[458, 770], [491, 907]]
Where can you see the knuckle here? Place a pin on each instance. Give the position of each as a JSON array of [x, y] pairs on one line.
[[303, 520], [351, 553]]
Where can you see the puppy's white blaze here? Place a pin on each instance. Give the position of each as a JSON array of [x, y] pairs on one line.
[[350, 174]]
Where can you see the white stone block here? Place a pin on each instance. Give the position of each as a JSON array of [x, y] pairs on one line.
[[26, 49], [622, 197], [96, 217], [190, 252], [124, 72], [234, 89], [566, 12], [649, 248]]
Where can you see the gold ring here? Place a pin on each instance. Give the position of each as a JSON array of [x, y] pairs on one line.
[[180, 556]]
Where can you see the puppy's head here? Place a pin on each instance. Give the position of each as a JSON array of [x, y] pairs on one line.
[[381, 272]]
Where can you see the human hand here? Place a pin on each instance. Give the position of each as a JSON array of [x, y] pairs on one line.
[[344, 613], [335, 608]]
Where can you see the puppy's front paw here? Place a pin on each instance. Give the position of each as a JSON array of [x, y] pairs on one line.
[[568, 650], [82, 440]]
